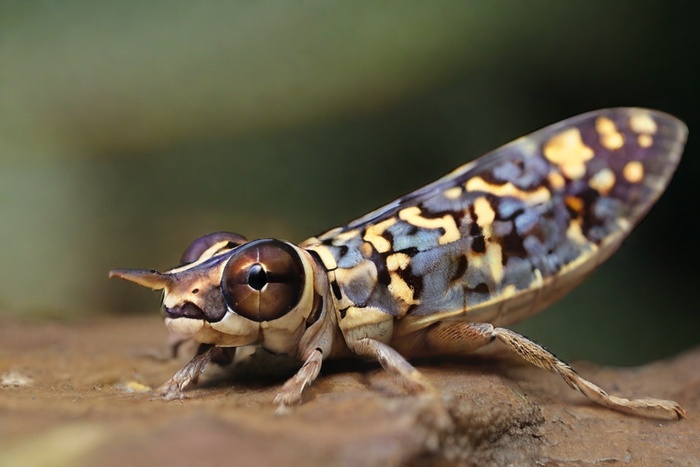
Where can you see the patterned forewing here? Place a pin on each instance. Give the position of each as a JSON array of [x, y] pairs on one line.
[[502, 237]]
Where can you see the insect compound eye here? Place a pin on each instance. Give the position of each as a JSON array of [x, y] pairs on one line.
[[202, 244], [263, 280]]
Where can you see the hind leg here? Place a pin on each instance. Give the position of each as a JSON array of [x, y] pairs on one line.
[[461, 336]]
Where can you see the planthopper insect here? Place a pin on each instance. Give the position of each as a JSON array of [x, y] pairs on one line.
[[438, 271]]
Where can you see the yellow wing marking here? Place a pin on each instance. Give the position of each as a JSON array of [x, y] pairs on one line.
[[539, 195], [373, 235], [412, 215], [610, 138], [644, 124], [603, 181], [398, 287], [567, 150], [633, 172]]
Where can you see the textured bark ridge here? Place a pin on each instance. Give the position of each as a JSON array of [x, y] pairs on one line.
[[81, 395]]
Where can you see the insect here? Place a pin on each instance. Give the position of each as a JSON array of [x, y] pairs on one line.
[[438, 271]]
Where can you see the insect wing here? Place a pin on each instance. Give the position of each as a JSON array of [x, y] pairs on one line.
[[504, 236]]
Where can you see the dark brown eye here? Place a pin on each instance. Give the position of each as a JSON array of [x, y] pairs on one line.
[[202, 244], [263, 280]]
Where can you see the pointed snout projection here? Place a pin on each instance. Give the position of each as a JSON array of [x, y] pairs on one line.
[[147, 278]]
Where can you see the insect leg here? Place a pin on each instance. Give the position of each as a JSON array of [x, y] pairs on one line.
[[465, 336], [292, 389], [188, 374], [394, 363]]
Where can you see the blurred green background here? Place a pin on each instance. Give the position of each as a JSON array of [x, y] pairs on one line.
[[127, 129]]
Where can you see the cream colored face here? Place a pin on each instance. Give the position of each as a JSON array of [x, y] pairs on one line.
[[234, 293]]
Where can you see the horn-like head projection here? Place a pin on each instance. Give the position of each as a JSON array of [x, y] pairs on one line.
[[192, 289], [147, 278]]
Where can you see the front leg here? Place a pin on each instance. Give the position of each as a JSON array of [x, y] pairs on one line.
[[172, 389], [316, 342], [292, 389]]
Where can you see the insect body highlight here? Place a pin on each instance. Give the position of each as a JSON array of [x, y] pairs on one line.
[[440, 270]]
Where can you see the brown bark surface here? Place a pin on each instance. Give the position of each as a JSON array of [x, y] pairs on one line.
[[79, 395]]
